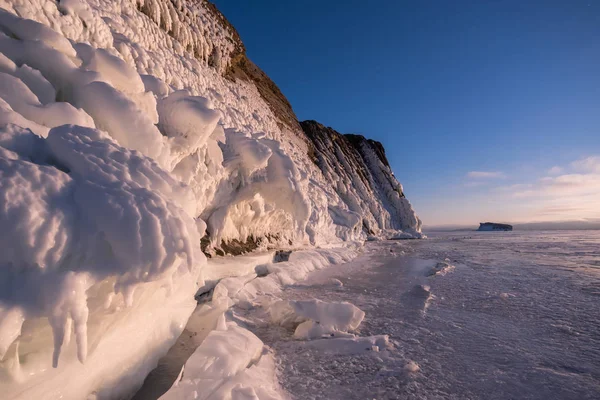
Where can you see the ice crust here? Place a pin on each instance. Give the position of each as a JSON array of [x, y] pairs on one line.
[[121, 146]]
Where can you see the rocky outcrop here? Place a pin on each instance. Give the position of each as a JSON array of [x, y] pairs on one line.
[[359, 171], [493, 226], [205, 33]]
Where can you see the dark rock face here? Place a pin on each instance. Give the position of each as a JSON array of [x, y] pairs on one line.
[[359, 171], [243, 68]]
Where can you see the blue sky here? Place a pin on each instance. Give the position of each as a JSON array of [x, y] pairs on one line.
[[510, 89]]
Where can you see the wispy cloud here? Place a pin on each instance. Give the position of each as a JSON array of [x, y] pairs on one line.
[[554, 210], [566, 185], [474, 184], [565, 191], [556, 170], [569, 191], [587, 165], [486, 175], [517, 187]]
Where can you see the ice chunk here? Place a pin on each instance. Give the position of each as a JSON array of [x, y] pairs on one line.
[[217, 363], [440, 269], [412, 367], [317, 318], [351, 345]]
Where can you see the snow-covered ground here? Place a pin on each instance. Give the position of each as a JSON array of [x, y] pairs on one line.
[[460, 316]]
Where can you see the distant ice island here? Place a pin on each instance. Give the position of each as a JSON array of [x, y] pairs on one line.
[[492, 226]]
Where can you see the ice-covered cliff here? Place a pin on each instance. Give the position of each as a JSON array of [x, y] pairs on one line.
[[361, 175], [134, 135]]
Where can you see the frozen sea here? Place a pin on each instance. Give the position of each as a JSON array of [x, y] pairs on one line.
[[517, 318]]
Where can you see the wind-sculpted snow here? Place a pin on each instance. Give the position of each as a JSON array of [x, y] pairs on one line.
[[82, 216], [122, 146]]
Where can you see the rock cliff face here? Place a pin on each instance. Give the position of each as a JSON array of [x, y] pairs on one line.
[[360, 173], [228, 133], [370, 197]]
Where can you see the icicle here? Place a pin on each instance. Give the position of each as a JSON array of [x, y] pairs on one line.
[[80, 319], [13, 364], [128, 293], [108, 300], [71, 311], [68, 330], [11, 321], [58, 324]]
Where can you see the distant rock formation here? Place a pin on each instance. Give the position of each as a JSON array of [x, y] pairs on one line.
[[492, 226]]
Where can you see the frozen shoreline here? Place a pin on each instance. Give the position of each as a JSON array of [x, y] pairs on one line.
[[490, 327], [516, 318], [258, 306], [241, 362]]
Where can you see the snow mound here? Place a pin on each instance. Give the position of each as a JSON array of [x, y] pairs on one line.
[[232, 362], [296, 269], [316, 318]]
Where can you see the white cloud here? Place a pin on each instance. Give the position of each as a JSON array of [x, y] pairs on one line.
[[556, 170], [568, 191], [486, 175], [514, 188], [579, 178], [474, 184], [587, 165]]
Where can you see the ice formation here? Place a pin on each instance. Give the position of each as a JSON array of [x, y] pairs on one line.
[[123, 143], [232, 361], [315, 318]]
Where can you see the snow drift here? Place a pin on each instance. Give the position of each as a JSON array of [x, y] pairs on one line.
[[127, 140]]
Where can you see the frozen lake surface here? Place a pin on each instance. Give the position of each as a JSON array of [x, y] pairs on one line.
[[517, 318]]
